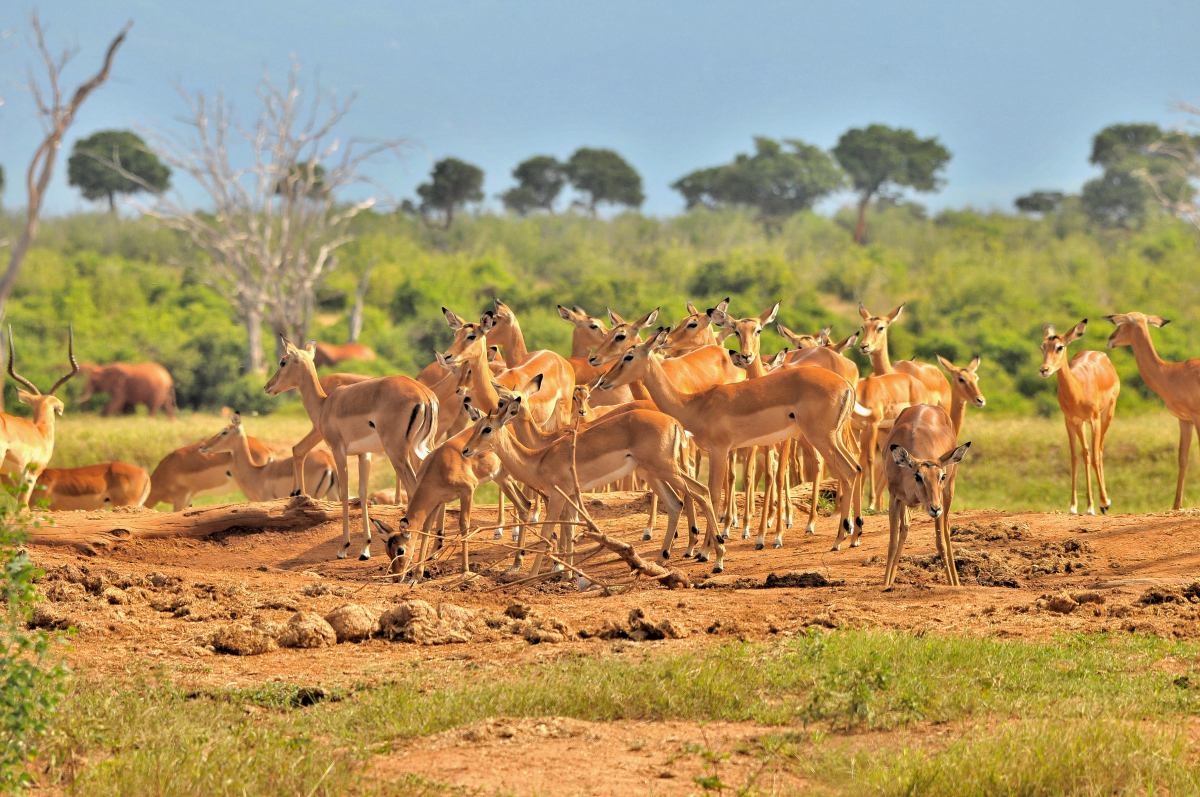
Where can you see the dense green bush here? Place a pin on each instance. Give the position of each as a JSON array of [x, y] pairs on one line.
[[972, 283]]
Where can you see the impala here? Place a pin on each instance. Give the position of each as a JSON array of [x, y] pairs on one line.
[[185, 473], [93, 486], [394, 415], [921, 468], [874, 344], [883, 397], [697, 370], [693, 331], [964, 386], [1177, 384], [808, 403], [313, 438], [802, 342], [588, 332], [645, 440], [26, 446], [273, 479], [1087, 393]]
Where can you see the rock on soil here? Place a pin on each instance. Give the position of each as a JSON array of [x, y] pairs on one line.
[[419, 623], [307, 630], [352, 623], [242, 639]]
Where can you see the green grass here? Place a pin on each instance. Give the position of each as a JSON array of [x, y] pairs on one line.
[[1015, 464], [1052, 701]]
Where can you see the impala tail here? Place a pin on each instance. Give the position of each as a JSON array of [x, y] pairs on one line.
[[422, 428]]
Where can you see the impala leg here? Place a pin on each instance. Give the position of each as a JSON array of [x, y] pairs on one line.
[[364, 484], [673, 504], [1074, 510], [818, 464], [441, 528], [697, 492], [1087, 471], [498, 534], [652, 520], [339, 461], [749, 485], [947, 500], [1185, 445], [1097, 464], [841, 464], [299, 455], [466, 502], [1105, 419], [893, 554], [729, 516], [718, 459], [783, 491], [768, 496]]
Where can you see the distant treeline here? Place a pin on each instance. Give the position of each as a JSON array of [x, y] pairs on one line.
[[971, 283]]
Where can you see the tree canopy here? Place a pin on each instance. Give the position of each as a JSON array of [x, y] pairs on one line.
[[1039, 202], [453, 183], [775, 181], [878, 157], [540, 180], [1129, 154], [604, 176], [90, 167]]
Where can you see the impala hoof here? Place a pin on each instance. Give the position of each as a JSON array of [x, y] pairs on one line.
[[1073, 510], [702, 557], [1104, 510], [557, 568], [344, 552], [1091, 510], [809, 530], [362, 557], [293, 493], [789, 525], [855, 543], [645, 535], [778, 545], [758, 546], [719, 568], [516, 535], [837, 546], [498, 534]]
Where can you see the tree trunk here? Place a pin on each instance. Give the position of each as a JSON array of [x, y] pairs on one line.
[[88, 531], [860, 231], [112, 203], [449, 217], [255, 363], [356, 313]]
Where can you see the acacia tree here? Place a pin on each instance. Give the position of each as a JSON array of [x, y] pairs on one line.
[[1119, 198], [879, 156], [604, 176], [97, 180], [540, 180], [275, 221], [56, 114], [452, 184], [777, 182]]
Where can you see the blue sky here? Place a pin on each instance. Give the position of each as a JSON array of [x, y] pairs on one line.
[[1014, 89]]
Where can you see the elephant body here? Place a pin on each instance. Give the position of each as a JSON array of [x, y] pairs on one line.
[[131, 385]]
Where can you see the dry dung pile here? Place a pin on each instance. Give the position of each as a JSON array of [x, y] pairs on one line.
[[991, 532], [1006, 567], [1167, 593], [637, 627]]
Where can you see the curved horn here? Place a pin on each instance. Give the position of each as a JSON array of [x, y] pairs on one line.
[[11, 359], [70, 354]]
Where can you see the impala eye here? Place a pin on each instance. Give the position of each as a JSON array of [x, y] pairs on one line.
[[621, 336], [487, 430], [595, 326], [960, 379], [1058, 348], [628, 358], [693, 325], [282, 363], [470, 337], [943, 478], [917, 476], [758, 332]]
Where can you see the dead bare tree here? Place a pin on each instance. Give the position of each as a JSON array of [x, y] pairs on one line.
[[1180, 148], [360, 297], [56, 114], [275, 222]]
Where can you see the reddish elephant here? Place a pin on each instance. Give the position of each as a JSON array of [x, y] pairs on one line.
[[332, 354], [131, 385]]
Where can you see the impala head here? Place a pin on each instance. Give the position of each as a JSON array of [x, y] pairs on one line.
[[748, 332], [398, 542], [489, 427], [590, 331], [293, 365], [505, 397], [45, 405], [469, 339], [622, 336], [964, 382], [579, 399], [691, 331], [929, 476], [499, 322], [874, 329], [227, 438], [1054, 347], [798, 341], [1130, 323], [632, 365]]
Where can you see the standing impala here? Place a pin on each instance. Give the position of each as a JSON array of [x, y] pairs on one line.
[[1177, 384], [693, 330], [1087, 392], [589, 333], [874, 344], [26, 446], [809, 403], [273, 479], [393, 415], [921, 466]]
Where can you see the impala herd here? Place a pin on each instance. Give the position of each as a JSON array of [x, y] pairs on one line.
[[623, 410]]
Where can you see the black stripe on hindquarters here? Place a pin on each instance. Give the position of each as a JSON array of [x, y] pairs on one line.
[[411, 421]]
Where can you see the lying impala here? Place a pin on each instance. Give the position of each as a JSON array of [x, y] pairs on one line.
[[186, 473], [608, 450], [1178, 384], [394, 415], [26, 446], [807, 403], [93, 487], [273, 479], [921, 468], [874, 344]]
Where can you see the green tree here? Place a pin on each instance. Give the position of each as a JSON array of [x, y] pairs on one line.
[[605, 177], [299, 182], [1130, 153], [453, 183], [775, 181], [879, 156], [93, 164], [540, 180], [1039, 202]]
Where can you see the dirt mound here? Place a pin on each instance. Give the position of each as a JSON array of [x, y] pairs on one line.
[[307, 630], [243, 639], [1000, 531], [637, 627], [352, 623], [419, 623], [796, 579], [1006, 567], [1167, 593], [1067, 602]]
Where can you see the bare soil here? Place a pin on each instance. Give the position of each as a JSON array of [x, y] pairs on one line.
[[155, 605]]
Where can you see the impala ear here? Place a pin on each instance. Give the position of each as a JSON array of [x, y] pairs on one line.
[[24, 397], [452, 319], [785, 333], [691, 308], [566, 314], [487, 321], [472, 412], [892, 316], [956, 456], [1048, 331], [613, 317], [493, 353], [533, 385], [1115, 318], [236, 420], [658, 339], [501, 307], [310, 348], [902, 458], [768, 315], [1076, 332], [719, 311], [862, 311], [845, 344], [824, 334], [646, 320], [778, 359], [1156, 321], [441, 359], [946, 364]]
